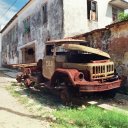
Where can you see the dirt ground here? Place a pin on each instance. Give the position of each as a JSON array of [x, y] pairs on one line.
[[12, 113]]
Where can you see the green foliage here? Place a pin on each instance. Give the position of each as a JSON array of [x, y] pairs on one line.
[[90, 117], [122, 16]]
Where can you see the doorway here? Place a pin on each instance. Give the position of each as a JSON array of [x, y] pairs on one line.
[[28, 54]]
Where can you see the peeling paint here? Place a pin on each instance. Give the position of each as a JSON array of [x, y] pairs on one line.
[[9, 47]]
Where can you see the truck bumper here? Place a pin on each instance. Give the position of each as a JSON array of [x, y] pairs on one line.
[[98, 87]]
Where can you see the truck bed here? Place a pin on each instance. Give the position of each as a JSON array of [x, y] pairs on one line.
[[23, 65]]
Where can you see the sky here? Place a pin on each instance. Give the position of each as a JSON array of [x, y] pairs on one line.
[[8, 8]]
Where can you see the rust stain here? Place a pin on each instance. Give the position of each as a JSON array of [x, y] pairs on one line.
[[119, 46]]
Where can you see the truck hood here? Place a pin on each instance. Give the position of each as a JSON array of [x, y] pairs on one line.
[[85, 49]]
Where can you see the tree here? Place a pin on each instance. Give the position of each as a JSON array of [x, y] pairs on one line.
[[122, 16]]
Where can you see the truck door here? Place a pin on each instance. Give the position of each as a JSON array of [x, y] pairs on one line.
[[48, 66], [49, 62]]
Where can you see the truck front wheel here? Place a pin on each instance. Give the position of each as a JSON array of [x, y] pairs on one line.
[[65, 96], [63, 85]]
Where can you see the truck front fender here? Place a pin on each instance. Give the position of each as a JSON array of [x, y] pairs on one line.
[[72, 74]]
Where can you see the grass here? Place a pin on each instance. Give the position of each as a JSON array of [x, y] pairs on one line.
[[91, 117], [67, 117]]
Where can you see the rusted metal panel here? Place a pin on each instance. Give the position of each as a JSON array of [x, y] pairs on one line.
[[71, 73], [74, 46], [93, 75], [48, 66], [23, 65], [88, 86], [97, 86]]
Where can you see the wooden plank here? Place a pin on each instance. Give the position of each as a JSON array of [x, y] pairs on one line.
[[23, 65]]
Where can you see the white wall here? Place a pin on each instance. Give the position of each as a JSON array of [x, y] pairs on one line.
[[104, 13], [75, 16]]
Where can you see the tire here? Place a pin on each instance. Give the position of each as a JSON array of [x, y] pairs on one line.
[[65, 96], [18, 78], [27, 82], [62, 84], [66, 90]]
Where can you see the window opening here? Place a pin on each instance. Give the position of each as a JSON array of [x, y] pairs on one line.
[[45, 17], [92, 12]]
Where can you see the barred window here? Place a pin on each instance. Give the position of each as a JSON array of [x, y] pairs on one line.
[[26, 23], [44, 13], [92, 12]]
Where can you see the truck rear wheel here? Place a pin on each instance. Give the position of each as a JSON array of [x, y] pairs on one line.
[[18, 78], [66, 90], [27, 82]]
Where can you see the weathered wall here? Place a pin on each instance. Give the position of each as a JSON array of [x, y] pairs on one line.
[[28, 30], [9, 44], [39, 33], [34, 13], [119, 48], [55, 19]]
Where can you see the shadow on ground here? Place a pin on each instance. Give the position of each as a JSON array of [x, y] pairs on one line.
[[44, 96]]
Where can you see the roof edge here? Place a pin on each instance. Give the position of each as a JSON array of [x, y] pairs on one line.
[[14, 17]]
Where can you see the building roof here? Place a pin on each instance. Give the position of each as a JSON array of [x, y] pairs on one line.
[[14, 17], [117, 23], [119, 3]]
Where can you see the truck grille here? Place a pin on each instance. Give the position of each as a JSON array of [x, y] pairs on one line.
[[102, 71]]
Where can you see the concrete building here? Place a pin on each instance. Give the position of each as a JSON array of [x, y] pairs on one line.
[[25, 35]]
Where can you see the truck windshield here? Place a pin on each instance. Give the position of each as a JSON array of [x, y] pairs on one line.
[[82, 57]]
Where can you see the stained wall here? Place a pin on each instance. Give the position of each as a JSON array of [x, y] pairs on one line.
[[40, 32], [28, 30], [9, 41]]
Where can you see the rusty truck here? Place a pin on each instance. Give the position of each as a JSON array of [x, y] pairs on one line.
[[72, 67]]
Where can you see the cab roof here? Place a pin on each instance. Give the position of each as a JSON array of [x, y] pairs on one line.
[[62, 41], [87, 49]]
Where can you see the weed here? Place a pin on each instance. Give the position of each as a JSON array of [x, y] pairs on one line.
[[91, 117]]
